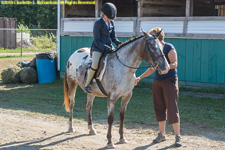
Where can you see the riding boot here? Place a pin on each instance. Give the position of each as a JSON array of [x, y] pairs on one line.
[[89, 78]]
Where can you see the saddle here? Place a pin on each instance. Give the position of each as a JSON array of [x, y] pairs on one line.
[[101, 67]]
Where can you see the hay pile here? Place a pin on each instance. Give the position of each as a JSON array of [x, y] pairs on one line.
[[11, 75], [22, 73], [28, 75]]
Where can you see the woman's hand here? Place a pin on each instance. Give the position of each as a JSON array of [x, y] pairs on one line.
[[137, 80]]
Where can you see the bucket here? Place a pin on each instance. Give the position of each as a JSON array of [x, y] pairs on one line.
[[46, 69]]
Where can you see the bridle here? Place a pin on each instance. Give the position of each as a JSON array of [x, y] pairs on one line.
[[155, 63], [154, 58]]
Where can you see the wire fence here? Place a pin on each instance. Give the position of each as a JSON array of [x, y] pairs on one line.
[[21, 41]]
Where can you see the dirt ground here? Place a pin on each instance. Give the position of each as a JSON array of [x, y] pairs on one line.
[[20, 131]]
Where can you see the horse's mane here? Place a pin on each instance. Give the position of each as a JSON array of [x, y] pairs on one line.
[[129, 41]]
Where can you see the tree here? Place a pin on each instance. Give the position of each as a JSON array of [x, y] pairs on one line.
[[34, 16]]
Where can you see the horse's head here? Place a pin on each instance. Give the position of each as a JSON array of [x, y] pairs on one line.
[[153, 53]]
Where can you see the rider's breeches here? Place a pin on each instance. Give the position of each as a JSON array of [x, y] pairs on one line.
[[95, 60]]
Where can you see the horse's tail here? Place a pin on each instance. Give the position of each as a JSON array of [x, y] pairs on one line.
[[66, 96]]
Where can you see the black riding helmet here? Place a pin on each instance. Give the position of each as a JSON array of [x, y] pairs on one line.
[[109, 9]]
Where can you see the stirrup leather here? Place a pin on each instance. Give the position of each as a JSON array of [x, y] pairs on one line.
[[93, 69]]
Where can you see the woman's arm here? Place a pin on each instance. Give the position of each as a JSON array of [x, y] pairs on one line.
[[145, 74], [172, 55]]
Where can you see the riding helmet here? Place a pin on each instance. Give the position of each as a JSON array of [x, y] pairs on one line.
[[109, 9]]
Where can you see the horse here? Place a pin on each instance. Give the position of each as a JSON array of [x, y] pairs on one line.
[[118, 79]]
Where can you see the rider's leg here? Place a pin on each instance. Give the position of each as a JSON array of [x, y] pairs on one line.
[[95, 60]]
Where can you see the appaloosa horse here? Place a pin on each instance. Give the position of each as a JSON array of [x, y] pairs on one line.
[[118, 79]]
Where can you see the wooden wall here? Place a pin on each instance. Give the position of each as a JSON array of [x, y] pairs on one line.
[[125, 8], [75, 11], [220, 10], [8, 37], [204, 8], [159, 8], [148, 8]]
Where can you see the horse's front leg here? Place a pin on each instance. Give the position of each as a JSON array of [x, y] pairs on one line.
[[89, 104], [124, 102], [111, 105]]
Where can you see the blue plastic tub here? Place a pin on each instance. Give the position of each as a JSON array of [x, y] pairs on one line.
[[46, 68]]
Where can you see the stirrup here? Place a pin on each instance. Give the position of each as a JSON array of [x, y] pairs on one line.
[[88, 89]]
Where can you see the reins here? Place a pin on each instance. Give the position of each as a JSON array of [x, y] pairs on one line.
[[131, 66], [138, 67]]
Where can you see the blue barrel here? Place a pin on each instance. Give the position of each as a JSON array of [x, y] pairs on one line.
[[46, 67]]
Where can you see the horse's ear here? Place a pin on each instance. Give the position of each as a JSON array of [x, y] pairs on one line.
[[145, 33], [157, 34]]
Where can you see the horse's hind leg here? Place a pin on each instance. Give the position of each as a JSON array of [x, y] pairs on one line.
[[89, 104], [71, 91], [124, 102]]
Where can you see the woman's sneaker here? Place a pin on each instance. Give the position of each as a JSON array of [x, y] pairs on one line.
[[160, 138], [178, 141]]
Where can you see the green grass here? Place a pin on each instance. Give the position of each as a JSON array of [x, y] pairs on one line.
[[47, 99], [16, 56], [189, 89], [203, 90], [25, 50]]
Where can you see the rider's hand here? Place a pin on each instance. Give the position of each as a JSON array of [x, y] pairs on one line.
[[137, 80], [109, 49]]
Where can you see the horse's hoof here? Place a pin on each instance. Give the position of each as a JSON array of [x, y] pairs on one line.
[[123, 141], [92, 132], [70, 130], [111, 146]]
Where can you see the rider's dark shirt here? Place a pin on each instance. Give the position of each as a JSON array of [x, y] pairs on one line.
[[172, 72], [102, 35]]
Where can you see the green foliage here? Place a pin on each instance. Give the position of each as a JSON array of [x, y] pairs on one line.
[[34, 16], [44, 41], [23, 27]]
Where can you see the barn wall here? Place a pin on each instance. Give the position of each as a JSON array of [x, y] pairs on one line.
[[152, 8], [72, 11], [204, 8], [200, 61], [125, 8]]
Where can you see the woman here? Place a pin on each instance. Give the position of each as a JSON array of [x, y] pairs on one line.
[[165, 92], [103, 30]]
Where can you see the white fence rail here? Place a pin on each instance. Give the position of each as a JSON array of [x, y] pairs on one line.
[[188, 27]]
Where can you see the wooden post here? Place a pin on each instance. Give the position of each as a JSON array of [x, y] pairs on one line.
[[100, 6], [188, 8], [191, 7], [96, 8], [63, 11], [139, 14]]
